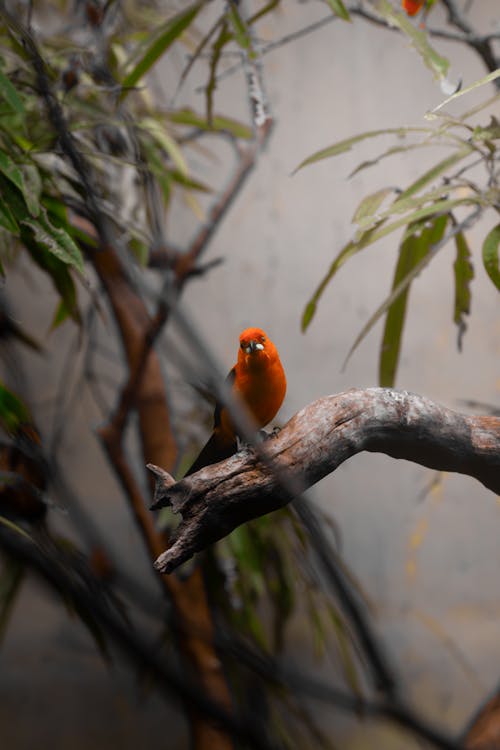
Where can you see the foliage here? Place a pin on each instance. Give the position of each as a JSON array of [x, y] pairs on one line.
[[87, 158], [427, 211], [90, 159]]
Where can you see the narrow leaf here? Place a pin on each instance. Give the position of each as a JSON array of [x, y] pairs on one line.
[[217, 48], [435, 172], [418, 38], [56, 240], [390, 152], [7, 219], [411, 252], [370, 204], [240, 29], [11, 170], [61, 314], [437, 207], [489, 133], [339, 9], [345, 145], [481, 82], [404, 205], [188, 117], [27, 180], [9, 93], [479, 107], [490, 255], [188, 182], [271, 5], [32, 188], [464, 273], [59, 275], [166, 141], [395, 294], [368, 238], [13, 412], [163, 40]]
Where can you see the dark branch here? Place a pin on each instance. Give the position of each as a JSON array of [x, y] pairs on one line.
[[71, 579], [314, 443]]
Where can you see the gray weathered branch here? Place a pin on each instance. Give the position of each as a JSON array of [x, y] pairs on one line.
[[314, 443]]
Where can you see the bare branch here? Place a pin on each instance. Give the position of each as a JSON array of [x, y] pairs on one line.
[[481, 44], [314, 443]]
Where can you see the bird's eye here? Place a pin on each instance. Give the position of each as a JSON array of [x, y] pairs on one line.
[[262, 338]]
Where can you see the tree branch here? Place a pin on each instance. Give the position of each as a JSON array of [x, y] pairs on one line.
[[314, 443]]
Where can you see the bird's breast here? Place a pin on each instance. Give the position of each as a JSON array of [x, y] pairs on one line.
[[263, 389]]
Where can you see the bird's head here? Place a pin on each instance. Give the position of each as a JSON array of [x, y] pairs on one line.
[[253, 341]]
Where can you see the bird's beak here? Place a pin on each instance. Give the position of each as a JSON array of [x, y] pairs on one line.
[[254, 346]]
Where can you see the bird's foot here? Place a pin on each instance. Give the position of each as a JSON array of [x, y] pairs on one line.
[[274, 432]]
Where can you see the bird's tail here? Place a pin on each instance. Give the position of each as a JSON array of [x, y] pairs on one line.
[[216, 449]]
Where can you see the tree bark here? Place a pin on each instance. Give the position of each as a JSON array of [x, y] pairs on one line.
[[314, 443], [195, 628]]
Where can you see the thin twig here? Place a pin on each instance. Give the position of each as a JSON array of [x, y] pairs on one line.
[[80, 586]]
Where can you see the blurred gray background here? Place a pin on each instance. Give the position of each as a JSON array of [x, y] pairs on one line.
[[424, 548]]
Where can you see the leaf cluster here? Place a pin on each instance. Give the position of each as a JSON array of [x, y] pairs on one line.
[[426, 215]]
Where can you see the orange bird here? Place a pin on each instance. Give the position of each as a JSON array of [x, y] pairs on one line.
[[258, 379], [412, 7]]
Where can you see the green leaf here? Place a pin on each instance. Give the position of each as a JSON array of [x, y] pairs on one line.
[[26, 179], [15, 528], [481, 82], [165, 140], [309, 311], [9, 93], [489, 133], [11, 171], [370, 204], [166, 36], [464, 273], [13, 412], [61, 314], [339, 9], [7, 219], [411, 252], [188, 182], [56, 239], [437, 207], [271, 5], [246, 551], [398, 289], [390, 152], [217, 48], [58, 272], [218, 124], [403, 205], [434, 172], [370, 236], [32, 188], [240, 29], [345, 145], [490, 255], [437, 64], [479, 107]]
